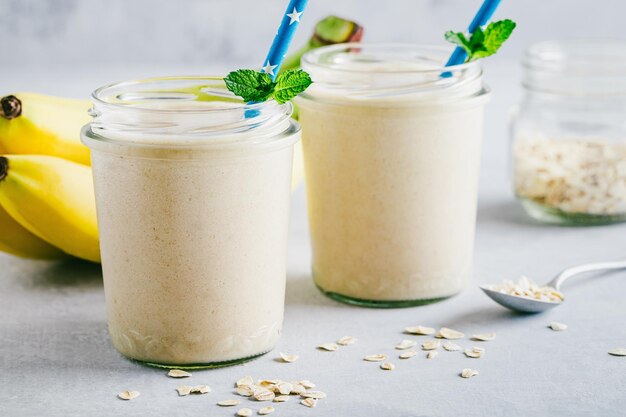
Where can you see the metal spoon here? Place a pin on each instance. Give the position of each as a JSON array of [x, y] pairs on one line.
[[529, 305]]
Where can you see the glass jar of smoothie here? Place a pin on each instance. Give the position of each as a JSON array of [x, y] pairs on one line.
[[392, 154], [192, 194], [569, 133]]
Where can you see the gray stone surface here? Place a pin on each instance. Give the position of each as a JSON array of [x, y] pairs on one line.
[[56, 359]]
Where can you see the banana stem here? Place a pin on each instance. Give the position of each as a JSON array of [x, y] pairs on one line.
[[328, 31], [10, 107], [4, 167]]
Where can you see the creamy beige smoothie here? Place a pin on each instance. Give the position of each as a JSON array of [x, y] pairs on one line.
[[192, 207], [392, 154]]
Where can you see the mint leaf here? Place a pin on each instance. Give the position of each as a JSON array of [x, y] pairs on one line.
[[291, 83], [458, 38], [495, 35], [250, 85], [257, 86], [483, 43]]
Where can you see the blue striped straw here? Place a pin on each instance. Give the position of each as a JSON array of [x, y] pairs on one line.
[[280, 44], [284, 35], [482, 17]]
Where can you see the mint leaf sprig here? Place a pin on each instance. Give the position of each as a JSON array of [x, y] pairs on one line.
[[257, 86], [483, 43]]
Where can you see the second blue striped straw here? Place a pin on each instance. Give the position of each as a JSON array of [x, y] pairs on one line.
[[482, 17]]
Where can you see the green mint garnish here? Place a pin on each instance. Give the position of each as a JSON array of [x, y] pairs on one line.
[[258, 86], [483, 43]]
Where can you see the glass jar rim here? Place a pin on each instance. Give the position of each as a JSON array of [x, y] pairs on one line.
[[404, 72], [184, 112], [314, 58], [577, 68]]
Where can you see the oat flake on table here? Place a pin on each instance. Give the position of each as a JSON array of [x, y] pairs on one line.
[[346, 340], [244, 412], [406, 344], [468, 373], [288, 358], [329, 347], [178, 373], [309, 402], [451, 334], [618, 352], [557, 327], [128, 395], [407, 354], [420, 330], [375, 358]]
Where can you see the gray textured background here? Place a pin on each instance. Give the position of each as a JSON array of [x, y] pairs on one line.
[[201, 32]]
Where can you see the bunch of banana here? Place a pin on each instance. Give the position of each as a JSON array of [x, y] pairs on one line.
[[47, 208]]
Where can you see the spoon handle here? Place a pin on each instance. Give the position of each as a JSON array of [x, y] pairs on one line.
[[580, 269]]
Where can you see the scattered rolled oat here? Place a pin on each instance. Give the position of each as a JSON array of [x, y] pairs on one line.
[[557, 327], [420, 330], [297, 388], [387, 366], [484, 337], [309, 402], [445, 333], [474, 353], [266, 410], [245, 381], [245, 390], [574, 176], [526, 288], [178, 373], [284, 388], [431, 355], [244, 412], [408, 354], [184, 390], [128, 395], [306, 384], [618, 352], [375, 358], [281, 399], [330, 347], [200, 389], [288, 358], [346, 340], [431, 345], [316, 395], [267, 383], [228, 403], [263, 394], [451, 346], [468, 373], [405, 344]]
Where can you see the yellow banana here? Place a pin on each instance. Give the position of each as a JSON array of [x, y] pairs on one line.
[[16, 240], [54, 199], [32, 123]]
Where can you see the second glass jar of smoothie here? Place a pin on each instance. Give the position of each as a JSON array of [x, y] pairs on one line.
[[392, 154]]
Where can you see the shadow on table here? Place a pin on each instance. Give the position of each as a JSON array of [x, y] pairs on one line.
[[486, 316], [68, 273], [301, 290]]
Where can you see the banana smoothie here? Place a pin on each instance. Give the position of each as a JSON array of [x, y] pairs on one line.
[[392, 153], [192, 199]]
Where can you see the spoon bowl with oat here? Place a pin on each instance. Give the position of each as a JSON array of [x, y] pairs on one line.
[[527, 297]]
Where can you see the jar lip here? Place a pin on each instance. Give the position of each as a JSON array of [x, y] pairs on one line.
[[599, 55], [384, 74], [577, 68], [207, 85], [184, 111], [315, 57]]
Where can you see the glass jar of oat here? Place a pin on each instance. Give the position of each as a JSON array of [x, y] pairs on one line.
[[569, 133]]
